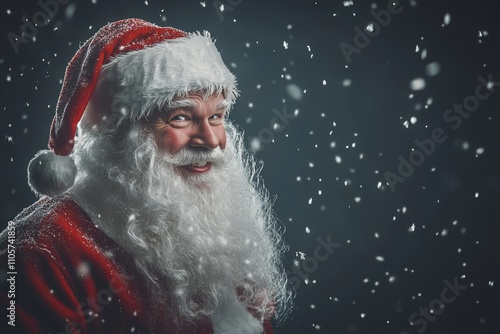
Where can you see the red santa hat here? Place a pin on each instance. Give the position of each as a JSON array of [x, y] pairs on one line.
[[149, 65]]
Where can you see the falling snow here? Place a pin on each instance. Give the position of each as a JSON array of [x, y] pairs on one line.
[[417, 84], [339, 128], [447, 19], [433, 69]]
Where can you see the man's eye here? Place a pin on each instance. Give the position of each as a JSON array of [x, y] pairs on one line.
[[217, 117], [178, 118]]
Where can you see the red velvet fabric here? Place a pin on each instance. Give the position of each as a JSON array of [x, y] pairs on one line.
[[83, 70], [72, 278]]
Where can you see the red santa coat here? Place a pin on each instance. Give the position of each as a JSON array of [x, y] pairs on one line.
[[70, 277]]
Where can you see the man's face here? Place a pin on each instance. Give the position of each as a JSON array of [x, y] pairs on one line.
[[192, 122]]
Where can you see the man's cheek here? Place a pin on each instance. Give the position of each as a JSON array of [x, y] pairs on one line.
[[173, 141], [222, 138]]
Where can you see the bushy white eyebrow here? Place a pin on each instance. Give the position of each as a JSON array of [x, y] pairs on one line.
[[224, 104], [182, 103]]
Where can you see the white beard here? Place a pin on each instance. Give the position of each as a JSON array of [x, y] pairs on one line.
[[196, 238]]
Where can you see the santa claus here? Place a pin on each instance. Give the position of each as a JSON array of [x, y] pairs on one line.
[[151, 217]]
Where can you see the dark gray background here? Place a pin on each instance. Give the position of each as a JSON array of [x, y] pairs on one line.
[[350, 291]]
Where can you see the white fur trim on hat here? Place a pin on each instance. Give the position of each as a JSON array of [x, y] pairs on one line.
[[149, 78], [50, 174]]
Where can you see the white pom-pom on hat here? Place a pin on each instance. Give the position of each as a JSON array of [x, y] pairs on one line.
[[51, 174]]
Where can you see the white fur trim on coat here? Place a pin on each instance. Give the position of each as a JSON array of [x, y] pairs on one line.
[[147, 79], [231, 317]]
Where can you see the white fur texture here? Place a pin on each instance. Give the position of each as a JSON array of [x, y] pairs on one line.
[[140, 81], [231, 317], [198, 239], [50, 174]]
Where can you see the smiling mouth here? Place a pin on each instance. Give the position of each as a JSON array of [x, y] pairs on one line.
[[198, 167]]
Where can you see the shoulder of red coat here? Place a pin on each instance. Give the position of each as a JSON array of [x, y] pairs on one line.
[[50, 220]]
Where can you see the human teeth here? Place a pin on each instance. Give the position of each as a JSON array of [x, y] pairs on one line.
[[199, 164]]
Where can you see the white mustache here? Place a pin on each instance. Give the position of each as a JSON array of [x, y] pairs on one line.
[[188, 156]]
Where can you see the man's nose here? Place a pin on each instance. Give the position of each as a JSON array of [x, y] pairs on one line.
[[205, 136]]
